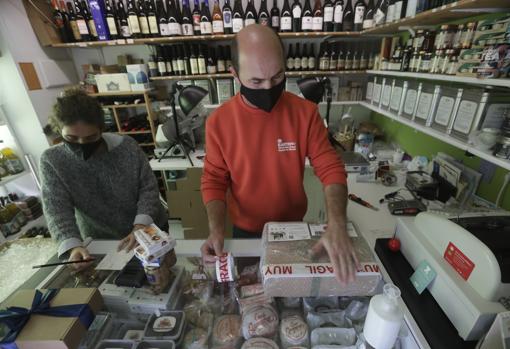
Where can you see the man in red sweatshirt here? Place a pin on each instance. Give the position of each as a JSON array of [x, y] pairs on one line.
[[256, 145]]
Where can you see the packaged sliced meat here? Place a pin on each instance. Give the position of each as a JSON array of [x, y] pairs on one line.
[[260, 321], [293, 331], [227, 331], [289, 269], [259, 343]]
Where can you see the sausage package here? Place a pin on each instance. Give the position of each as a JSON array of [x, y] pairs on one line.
[[289, 269]]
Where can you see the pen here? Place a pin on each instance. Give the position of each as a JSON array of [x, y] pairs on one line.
[[62, 263], [362, 202]]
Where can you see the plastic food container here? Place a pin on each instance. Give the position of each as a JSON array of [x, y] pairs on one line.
[[168, 326], [117, 344], [156, 345]]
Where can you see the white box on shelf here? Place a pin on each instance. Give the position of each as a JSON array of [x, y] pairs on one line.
[[425, 105], [396, 100], [411, 99], [386, 93], [206, 85], [376, 96], [448, 102], [113, 82], [470, 109], [370, 90], [225, 90]]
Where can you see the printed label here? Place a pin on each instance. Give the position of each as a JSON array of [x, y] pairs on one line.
[[359, 14], [317, 23], [410, 102], [444, 110], [424, 104], [311, 62], [187, 29], [227, 19], [306, 23], [163, 28], [328, 14], [249, 21], [386, 95], [275, 21], [111, 26], [296, 12], [153, 25], [465, 116], [174, 28], [377, 90], [224, 267], [134, 25], [237, 24], [459, 261], [287, 232], [144, 25], [205, 28], [286, 23], [217, 27], [82, 27], [396, 95], [312, 269], [370, 90], [338, 14], [317, 230]]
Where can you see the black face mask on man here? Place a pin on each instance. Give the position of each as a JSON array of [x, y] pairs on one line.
[[83, 150], [264, 99]]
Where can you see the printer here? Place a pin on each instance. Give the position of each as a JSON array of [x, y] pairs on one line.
[[471, 256]]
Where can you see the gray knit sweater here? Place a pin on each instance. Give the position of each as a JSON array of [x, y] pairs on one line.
[[102, 197]]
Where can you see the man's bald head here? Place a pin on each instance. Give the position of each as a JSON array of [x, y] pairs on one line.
[[258, 53]]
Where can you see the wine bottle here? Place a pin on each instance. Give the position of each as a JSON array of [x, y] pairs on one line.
[[324, 57], [205, 20], [125, 32], [111, 20], [152, 18], [73, 23], [67, 23], [296, 16], [338, 15], [369, 22], [217, 19], [211, 61], [238, 17], [180, 60], [174, 23], [175, 65], [359, 15], [307, 17], [221, 67], [340, 62], [161, 62], [168, 60], [250, 16], [304, 58], [90, 21], [81, 22], [196, 18], [380, 12], [318, 19], [286, 18], [290, 58], [390, 13], [227, 17], [187, 19], [297, 58], [143, 20], [264, 14], [311, 58], [202, 65], [328, 11], [348, 18], [228, 57], [134, 24], [193, 61], [153, 66], [58, 20], [275, 16], [333, 57]]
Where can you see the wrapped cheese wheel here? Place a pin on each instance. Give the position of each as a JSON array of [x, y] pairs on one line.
[[195, 339], [259, 343], [260, 321], [227, 331], [293, 331]]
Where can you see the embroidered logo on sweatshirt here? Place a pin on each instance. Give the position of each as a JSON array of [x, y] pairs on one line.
[[286, 146]]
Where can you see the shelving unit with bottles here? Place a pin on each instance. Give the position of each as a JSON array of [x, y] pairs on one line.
[[119, 120]]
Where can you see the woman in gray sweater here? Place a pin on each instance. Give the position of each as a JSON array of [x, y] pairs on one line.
[[95, 184]]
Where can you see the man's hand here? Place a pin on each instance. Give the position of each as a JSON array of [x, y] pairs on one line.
[[338, 245], [79, 254], [212, 247], [129, 242]]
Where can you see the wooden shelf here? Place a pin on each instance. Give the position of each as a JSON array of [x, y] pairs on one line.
[[120, 106], [288, 74], [135, 132], [120, 93], [447, 78], [441, 136], [178, 39], [456, 10]]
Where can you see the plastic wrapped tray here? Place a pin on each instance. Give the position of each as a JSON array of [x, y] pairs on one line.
[[290, 270]]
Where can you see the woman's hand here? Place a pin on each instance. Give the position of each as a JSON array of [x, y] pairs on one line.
[[78, 254], [129, 242]]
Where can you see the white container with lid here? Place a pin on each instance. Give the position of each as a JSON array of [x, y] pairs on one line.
[[384, 318]]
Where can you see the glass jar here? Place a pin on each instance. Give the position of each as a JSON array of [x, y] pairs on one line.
[[428, 41], [458, 34], [426, 61], [453, 65], [414, 61], [436, 61], [418, 61], [439, 41], [418, 40], [443, 68], [467, 35]]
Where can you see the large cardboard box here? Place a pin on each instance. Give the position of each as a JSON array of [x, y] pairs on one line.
[[191, 181], [50, 332]]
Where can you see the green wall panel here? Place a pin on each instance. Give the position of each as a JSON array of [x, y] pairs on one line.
[[417, 143]]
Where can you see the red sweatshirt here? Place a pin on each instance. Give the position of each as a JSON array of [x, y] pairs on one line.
[[259, 159]]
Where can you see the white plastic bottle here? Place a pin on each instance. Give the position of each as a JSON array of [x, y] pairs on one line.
[[384, 319]]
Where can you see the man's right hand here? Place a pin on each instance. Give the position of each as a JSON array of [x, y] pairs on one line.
[[78, 254], [212, 247]]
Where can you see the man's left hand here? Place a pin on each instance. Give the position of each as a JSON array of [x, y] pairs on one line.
[[129, 242], [338, 245]]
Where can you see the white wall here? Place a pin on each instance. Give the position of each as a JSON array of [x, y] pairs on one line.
[[27, 111]]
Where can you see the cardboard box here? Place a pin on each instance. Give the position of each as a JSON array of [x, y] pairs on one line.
[[138, 75], [289, 270], [113, 83], [98, 10], [191, 181], [49, 332]]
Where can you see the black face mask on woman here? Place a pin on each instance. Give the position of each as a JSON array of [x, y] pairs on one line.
[[264, 99], [83, 150]]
